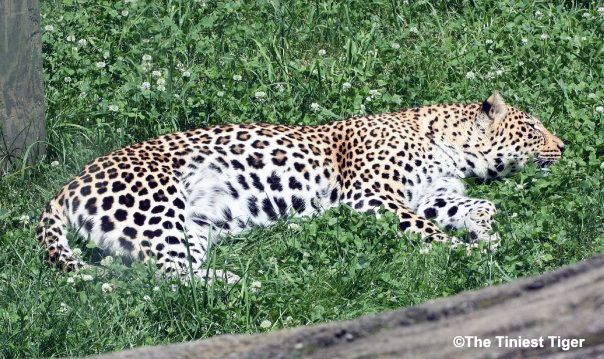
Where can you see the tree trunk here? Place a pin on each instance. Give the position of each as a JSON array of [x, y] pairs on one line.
[[559, 306], [21, 85]]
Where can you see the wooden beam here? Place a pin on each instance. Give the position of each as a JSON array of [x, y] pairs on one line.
[[565, 308], [22, 129]]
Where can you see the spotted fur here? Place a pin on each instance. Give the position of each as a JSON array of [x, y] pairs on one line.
[[171, 197]]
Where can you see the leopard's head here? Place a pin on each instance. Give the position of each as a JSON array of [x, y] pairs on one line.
[[513, 137]]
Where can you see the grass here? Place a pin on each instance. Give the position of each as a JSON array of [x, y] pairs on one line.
[[121, 72]]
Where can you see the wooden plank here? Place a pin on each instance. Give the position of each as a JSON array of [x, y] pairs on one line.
[[22, 129], [564, 308]]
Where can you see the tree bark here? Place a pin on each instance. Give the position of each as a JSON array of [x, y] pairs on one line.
[[567, 303], [21, 84]]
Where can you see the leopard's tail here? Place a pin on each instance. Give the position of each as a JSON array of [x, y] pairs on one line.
[[52, 235]]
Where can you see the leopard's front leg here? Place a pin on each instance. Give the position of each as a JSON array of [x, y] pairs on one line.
[[452, 209], [408, 219]]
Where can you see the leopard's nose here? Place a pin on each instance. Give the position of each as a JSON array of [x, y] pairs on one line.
[[561, 147]]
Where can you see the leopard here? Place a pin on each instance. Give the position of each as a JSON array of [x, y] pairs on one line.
[[169, 199]]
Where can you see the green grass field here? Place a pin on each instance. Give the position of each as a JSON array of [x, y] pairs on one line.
[[118, 72]]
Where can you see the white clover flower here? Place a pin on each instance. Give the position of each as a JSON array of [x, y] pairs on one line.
[[107, 288], [220, 94], [82, 95], [125, 13], [82, 42], [514, 215], [24, 219], [77, 252], [61, 18], [288, 319], [70, 38], [315, 107], [255, 286], [74, 49], [602, 166], [106, 55], [107, 261], [260, 95], [87, 277], [161, 88], [600, 10], [374, 93], [63, 308], [49, 28], [520, 186], [54, 163], [488, 42], [156, 73], [362, 108], [470, 75], [293, 226], [520, 63], [413, 30], [186, 74], [586, 15], [71, 280], [266, 324], [346, 86], [583, 38], [174, 287], [499, 72], [237, 78], [406, 2], [305, 254], [272, 261], [101, 64], [322, 52], [543, 36], [424, 250], [592, 96], [147, 58], [67, 79], [368, 99], [600, 109], [488, 76], [145, 86], [147, 66], [147, 298], [524, 41], [538, 14], [280, 88], [395, 45], [156, 289], [161, 82]]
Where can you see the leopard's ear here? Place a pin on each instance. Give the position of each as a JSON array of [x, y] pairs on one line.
[[494, 107]]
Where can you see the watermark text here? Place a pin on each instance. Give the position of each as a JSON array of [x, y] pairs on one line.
[[504, 341]]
